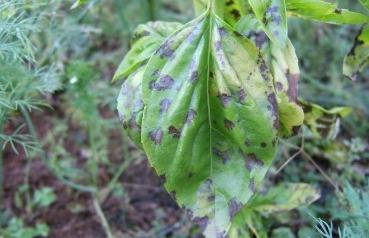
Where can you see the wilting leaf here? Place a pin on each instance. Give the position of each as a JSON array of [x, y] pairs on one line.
[[321, 122], [358, 58], [323, 11], [284, 66], [147, 38], [273, 19], [220, 127], [130, 104], [283, 197]]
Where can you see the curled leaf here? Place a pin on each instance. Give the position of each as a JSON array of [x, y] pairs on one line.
[[358, 58], [323, 123]]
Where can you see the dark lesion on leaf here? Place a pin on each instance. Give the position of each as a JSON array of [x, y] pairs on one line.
[[165, 50], [221, 154], [292, 86], [165, 82], [225, 99], [164, 105], [191, 115], [175, 132], [201, 221], [156, 136], [229, 124], [234, 207], [273, 107], [252, 162], [194, 76], [241, 95]]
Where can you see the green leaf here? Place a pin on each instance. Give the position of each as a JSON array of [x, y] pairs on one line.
[[246, 224], [130, 107], [323, 123], [358, 58], [282, 232], [220, 127], [285, 197], [284, 65], [44, 197], [147, 38], [273, 19], [323, 11]]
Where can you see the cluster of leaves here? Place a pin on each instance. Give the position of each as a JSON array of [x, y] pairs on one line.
[[205, 118]]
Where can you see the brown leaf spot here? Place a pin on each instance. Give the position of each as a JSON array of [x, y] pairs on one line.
[[274, 109], [165, 82], [241, 95], [228, 124], [252, 161], [176, 133], [194, 76], [221, 154], [225, 99], [279, 86], [165, 50], [292, 86], [234, 207], [156, 136]]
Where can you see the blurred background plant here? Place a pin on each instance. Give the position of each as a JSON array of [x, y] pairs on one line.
[[68, 170]]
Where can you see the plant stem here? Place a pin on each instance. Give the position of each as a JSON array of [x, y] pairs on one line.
[[102, 217], [152, 10], [1, 167]]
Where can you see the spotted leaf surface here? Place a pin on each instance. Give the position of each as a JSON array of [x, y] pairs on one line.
[[147, 39], [284, 66], [281, 198], [324, 123], [358, 58], [219, 123], [272, 16], [324, 11]]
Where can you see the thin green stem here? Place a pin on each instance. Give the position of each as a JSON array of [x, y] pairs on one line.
[[152, 13], [102, 217]]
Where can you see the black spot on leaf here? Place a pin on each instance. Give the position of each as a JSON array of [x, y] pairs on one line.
[[228, 124], [221, 154], [279, 86], [156, 136], [263, 145], [194, 76], [222, 31], [176, 133], [292, 86], [241, 96]]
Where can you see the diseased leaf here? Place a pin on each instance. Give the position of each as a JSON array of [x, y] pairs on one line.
[[283, 197], [283, 63], [273, 19], [358, 58], [248, 224], [221, 124], [321, 122], [147, 38], [130, 107], [323, 11]]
